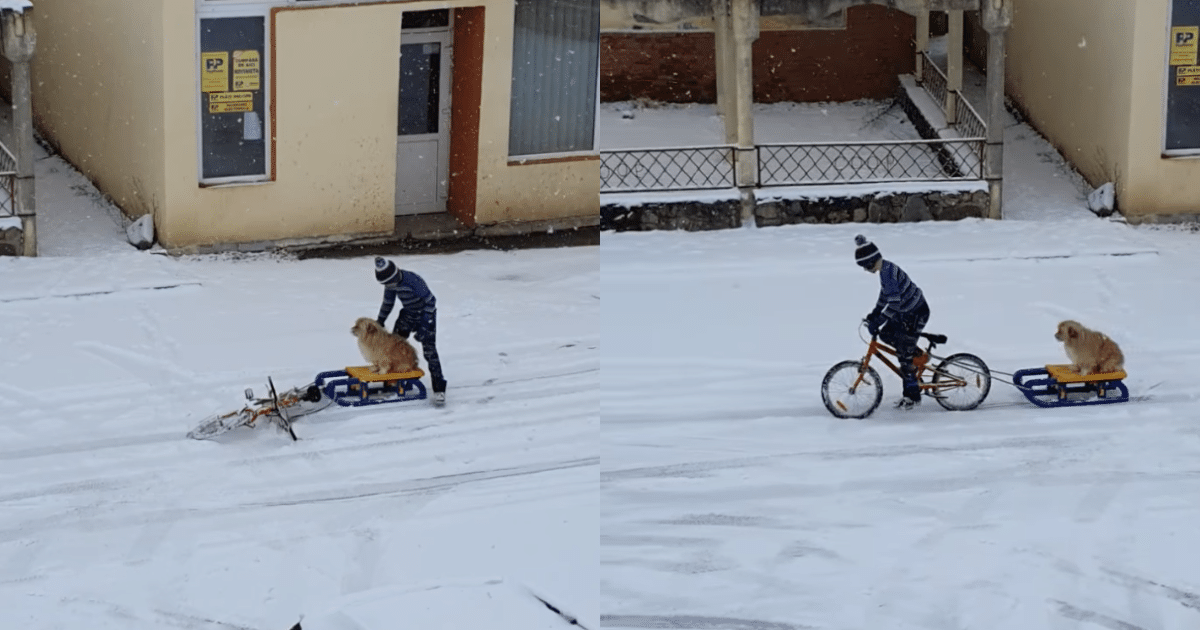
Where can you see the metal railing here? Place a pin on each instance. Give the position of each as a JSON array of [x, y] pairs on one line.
[[869, 162], [8, 182], [933, 79], [812, 163], [684, 168], [967, 122]]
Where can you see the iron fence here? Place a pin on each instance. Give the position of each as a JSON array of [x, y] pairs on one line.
[[8, 182], [687, 168], [869, 162], [808, 163]]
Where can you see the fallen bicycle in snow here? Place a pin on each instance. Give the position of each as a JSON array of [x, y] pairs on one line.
[[353, 387]]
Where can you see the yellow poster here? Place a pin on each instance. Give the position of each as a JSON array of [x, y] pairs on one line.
[[230, 102], [1187, 71], [214, 72], [246, 70], [1183, 45], [1192, 80]]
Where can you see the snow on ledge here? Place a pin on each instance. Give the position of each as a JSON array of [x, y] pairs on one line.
[[18, 6], [764, 195], [629, 200], [833, 191], [10, 222]]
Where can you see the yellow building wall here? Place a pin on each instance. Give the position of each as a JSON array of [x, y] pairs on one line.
[[115, 86], [335, 153], [1069, 67], [97, 75], [334, 124], [1155, 188], [537, 190], [1090, 75]]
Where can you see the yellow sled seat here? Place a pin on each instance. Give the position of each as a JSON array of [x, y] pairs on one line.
[[364, 374], [1064, 374]]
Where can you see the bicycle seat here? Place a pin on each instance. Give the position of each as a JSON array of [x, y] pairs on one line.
[[938, 339]]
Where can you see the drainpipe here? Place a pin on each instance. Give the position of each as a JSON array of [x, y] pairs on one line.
[[19, 43], [745, 32], [997, 17]]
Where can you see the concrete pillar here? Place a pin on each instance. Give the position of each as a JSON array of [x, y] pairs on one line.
[[19, 43], [745, 33], [997, 17], [723, 53], [922, 41], [954, 64]]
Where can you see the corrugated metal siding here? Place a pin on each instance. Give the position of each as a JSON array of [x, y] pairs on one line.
[[556, 49]]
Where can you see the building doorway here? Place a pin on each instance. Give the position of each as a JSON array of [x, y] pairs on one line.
[[423, 128]]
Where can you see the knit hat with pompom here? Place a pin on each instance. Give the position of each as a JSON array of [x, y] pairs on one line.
[[866, 254], [385, 270]]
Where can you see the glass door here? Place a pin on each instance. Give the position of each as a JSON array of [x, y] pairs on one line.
[[423, 128]]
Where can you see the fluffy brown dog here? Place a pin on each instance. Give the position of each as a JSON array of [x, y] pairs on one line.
[[387, 353], [1090, 352]]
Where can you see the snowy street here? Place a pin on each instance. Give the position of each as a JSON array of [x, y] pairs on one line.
[[733, 499], [114, 520]]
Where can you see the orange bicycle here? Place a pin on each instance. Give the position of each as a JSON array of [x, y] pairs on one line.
[[852, 389]]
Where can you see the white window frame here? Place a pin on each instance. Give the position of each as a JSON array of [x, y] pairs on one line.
[[208, 10], [557, 155], [1168, 77]]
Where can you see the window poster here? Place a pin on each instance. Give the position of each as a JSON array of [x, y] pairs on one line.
[[1182, 134], [232, 98]]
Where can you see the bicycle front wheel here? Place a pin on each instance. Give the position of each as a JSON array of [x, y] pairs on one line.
[[846, 394], [963, 382]]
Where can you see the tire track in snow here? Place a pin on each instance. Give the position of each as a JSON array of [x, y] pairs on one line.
[[698, 469], [69, 488], [272, 497], [439, 483], [20, 562], [121, 398], [1089, 616], [1186, 599], [694, 622]]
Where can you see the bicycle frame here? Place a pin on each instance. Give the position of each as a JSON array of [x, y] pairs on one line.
[[880, 350]]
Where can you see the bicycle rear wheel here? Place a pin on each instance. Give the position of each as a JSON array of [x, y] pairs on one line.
[[965, 381], [846, 395]]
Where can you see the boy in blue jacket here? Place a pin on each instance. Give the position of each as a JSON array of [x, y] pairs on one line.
[[899, 316], [418, 316]]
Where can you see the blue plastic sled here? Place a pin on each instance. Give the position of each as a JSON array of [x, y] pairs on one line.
[[358, 386], [1060, 386]]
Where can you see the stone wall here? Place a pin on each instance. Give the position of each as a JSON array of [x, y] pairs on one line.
[[693, 216], [888, 207], [872, 207], [12, 241]]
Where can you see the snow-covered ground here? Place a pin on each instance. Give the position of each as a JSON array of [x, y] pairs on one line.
[[733, 500], [461, 517], [729, 498], [698, 124]]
